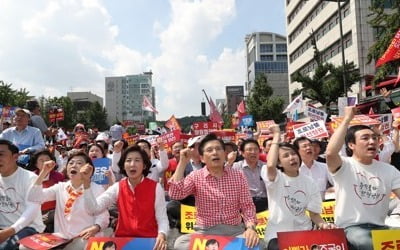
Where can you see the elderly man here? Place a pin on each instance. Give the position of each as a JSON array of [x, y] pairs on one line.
[[222, 195], [28, 139], [18, 217], [363, 185], [251, 167]]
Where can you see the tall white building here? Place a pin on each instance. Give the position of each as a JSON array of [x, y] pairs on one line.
[[266, 53], [124, 97], [321, 17]]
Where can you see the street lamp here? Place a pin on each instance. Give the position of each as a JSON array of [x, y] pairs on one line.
[[342, 42]]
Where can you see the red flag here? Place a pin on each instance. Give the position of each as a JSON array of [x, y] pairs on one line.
[[215, 116], [146, 105], [173, 124], [392, 52], [397, 79], [241, 109]]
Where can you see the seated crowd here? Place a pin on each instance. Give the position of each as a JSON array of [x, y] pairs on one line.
[[227, 183]]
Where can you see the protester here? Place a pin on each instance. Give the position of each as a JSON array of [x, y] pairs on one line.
[[116, 131], [54, 177], [37, 119], [96, 151], [28, 139], [251, 167], [158, 166], [214, 186], [71, 220], [140, 200], [18, 217], [362, 184], [284, 182], [317, 171]]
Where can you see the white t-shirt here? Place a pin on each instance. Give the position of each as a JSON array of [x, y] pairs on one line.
[[319, 173], [69, 226], [362, 192], [288, 200], [14, 205]]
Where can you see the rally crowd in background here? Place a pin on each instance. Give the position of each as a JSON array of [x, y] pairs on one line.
[[45, 183]]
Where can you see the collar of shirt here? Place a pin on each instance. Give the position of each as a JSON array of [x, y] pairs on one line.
[[246, 165], [206, 173]]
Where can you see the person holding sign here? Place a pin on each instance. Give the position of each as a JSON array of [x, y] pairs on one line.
[[362, 184], [140, 200], [103, 174], [222, 195], [71, 220], [290, 193]]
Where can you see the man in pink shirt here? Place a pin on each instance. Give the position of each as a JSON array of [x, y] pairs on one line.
[[222, 195]]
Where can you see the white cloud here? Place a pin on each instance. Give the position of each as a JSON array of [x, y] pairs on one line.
[[57, 46]]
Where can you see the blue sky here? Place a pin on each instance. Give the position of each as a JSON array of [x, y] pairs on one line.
[[51, 47]]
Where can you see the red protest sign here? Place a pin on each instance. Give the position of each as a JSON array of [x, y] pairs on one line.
[[263, 126], [171, 137], [204, 128], [315, 239], [226, 136]]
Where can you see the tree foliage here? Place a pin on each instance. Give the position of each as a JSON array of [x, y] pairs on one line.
[[386, 22], [12, 97], [326, 83], [261, 102]]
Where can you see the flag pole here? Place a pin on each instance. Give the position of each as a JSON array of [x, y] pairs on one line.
[[208, 100]]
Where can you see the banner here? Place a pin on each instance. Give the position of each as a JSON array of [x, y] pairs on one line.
[[204, 128], [42, 241], [171, 137], [315, 114], [392, 52], [386, 239], [386, 122], [101, 165], [188, 220], [218, 242], [226, 136], [263, 126], [247, 121], [312, 130], [215, 116], [313, 239], [344, 102], [120, 243], [357, 120]]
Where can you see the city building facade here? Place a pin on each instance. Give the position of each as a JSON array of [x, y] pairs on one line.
[[266, 53], [83, 100], [321, 18], [124, 97]]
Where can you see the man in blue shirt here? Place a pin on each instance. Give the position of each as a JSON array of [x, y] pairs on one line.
[[28, 139]]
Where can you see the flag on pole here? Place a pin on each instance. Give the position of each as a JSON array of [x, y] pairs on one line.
[[397, 79], [392, 52], [297, 103], [172, 123], [146, 105], [215, 116]]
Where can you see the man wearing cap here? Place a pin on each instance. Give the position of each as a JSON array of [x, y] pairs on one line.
[[116, 131], [28, 139]]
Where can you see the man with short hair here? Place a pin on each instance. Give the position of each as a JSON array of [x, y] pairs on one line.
[[317, 171], [37, 119], [28, 139], [158, 166], [251, 167], [362, 184], [18, 217], [222, 195], [116, 131]]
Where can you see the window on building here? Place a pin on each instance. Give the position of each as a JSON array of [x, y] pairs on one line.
[[281, 47], [281, 57], [266, 48], [266, 58]]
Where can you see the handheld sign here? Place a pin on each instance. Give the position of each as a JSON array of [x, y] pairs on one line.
[[120, 243], [101, 165], [43, 241], [204, 242]]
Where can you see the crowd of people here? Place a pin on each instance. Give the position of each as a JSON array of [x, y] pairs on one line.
[[50, 189]]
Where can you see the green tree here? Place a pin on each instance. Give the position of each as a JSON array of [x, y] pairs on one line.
[[326, 83], [12, 97], [386, 23], [261, 104], [97, 117]]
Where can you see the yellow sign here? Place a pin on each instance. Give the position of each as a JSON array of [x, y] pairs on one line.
[[188, 219], [328, 209], [386, 239]]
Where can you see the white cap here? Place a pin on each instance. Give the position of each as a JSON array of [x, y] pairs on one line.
[[194, 140]]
